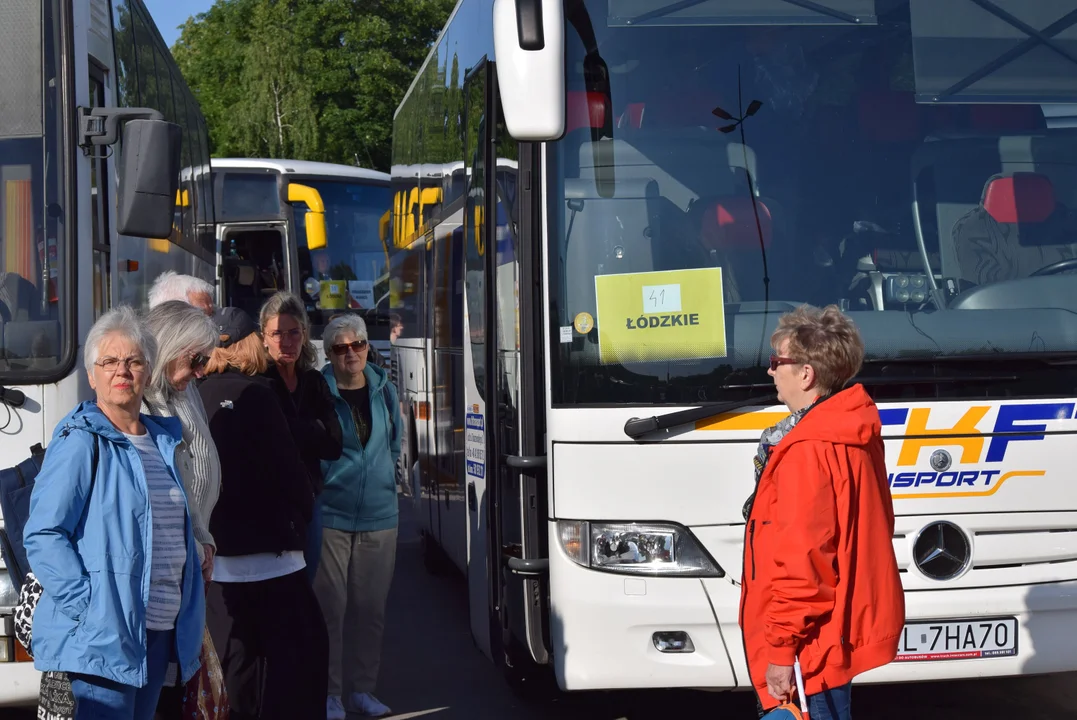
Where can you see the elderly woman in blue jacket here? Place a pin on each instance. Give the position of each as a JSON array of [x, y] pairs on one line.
[[359, 519], [109, 537]]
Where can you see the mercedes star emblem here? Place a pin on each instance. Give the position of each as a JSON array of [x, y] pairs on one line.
[[942, 551], [940, 461]]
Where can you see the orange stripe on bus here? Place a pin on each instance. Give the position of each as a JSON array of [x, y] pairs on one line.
[[741, 421]]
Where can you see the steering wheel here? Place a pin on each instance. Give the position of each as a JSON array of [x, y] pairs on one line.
[[1057, 267]]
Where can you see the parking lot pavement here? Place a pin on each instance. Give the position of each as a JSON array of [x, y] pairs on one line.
[[431, 669]]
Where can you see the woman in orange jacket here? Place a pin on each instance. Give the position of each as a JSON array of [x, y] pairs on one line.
[[820, 581]]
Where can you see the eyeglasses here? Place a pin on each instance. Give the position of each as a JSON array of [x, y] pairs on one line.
[[293, 334], [357, 347], [111, 365], [199, 361], [776, 360]]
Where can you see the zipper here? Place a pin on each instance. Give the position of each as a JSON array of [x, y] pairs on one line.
[[743, 630], [751, 545]]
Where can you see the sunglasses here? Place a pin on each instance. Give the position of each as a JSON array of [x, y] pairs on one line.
[[199, 361], [357, 347], [778, 360]]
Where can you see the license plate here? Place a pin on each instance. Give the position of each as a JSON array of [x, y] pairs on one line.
[[958, 640]]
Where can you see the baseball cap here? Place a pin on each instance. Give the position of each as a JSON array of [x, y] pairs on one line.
[[233, 323]]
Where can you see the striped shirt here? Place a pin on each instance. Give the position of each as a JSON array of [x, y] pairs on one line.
[[169, 553]]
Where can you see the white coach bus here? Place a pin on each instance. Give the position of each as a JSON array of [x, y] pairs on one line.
[[82, 225], [584, 356], [316, 229]]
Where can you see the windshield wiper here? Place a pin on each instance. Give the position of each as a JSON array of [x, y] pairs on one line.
[[638, 427], [685, 4]]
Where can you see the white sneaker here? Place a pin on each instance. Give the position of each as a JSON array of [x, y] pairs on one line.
[[367, 704], [334, 709]]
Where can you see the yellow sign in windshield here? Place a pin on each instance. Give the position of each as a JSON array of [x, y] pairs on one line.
[[670, 315]]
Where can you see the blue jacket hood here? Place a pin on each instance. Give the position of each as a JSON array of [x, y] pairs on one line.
[[88, 416]]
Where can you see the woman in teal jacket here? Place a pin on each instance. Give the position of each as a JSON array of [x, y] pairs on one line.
[[359, 519], [109, 538]]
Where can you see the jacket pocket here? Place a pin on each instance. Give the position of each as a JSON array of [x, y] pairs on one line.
[[751, 545]]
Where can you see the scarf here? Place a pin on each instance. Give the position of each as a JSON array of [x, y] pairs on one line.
[[770, 438]]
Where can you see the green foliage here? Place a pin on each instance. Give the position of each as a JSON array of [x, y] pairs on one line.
[[307, 79]]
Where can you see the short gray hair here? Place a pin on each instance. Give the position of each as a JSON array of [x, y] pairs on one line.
[[179, 328], [286, 303], [122, 320], [341, 324], [171, 286]]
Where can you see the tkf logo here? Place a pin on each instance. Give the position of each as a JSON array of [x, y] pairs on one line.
[[1013, 423]]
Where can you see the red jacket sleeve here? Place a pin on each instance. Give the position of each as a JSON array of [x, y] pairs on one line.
[[804, 560]]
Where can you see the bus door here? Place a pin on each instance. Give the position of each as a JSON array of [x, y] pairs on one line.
[[254, 264], [509, 497]]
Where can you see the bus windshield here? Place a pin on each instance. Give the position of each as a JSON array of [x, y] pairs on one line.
[[349, 273], [913, 162], [32, 209]]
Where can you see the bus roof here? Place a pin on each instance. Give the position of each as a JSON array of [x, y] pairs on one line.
[[300, 167]]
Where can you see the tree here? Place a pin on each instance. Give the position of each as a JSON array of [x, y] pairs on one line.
[[278, 115], [307, 79]]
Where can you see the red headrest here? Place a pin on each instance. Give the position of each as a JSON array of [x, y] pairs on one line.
[[1019, 198], [731, 224], [585, 110]]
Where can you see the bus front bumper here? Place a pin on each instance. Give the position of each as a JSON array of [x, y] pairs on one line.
[[603, 626]]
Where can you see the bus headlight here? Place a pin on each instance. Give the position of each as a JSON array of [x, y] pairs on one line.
[[636, 548]]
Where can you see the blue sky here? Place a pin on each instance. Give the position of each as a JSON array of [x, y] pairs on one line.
[[170, 14]]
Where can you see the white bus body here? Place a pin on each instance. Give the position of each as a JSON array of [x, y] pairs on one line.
[[263, 248], [63, 262], [671, 178]]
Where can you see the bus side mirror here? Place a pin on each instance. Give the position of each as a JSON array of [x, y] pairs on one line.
[[529, 44], [315, 220], [149, 178]]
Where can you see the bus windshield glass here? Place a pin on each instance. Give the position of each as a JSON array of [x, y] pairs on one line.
[[351, 272], [911, 161], [33, 235]]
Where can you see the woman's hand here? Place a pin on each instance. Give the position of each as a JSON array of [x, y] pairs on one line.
[[207, 564]]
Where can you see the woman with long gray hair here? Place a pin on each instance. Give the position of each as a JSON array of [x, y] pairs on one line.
[[305, 397], [185, 339]]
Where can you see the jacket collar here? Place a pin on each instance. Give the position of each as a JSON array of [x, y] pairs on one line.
[[89, 417]]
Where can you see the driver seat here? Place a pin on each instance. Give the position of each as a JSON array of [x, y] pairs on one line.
[[1018, 228]]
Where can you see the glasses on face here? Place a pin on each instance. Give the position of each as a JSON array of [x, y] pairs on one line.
[[278, 335], [199, 362], [111, 364], [777, 360], [357, 347]]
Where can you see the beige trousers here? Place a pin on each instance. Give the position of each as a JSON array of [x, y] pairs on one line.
[[352, 586]]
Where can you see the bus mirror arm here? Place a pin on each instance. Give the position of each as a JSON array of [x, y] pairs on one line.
[[100, 126], [636, 428]]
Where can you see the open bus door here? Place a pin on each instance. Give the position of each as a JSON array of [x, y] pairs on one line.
[[506, 463]]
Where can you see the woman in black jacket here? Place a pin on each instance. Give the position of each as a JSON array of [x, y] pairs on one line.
[[305, 396], [259, 523]]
